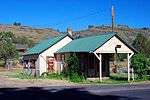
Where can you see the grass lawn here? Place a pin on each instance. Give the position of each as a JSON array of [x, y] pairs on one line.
[[1, 63], [118, 78], [10, 73]]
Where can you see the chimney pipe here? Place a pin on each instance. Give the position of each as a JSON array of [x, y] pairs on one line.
[[69, 31]]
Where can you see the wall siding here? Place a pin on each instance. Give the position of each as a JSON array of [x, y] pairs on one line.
[[50, 52], [109, 47]]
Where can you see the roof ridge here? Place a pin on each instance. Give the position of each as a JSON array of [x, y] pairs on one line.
[[52, 37], [87, 44], [96, 35], [45, 44]]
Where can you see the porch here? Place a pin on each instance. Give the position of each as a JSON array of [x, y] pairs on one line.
[[96, 65]]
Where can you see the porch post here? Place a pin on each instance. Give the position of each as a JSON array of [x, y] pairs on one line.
[[128, 67], [132, 70], [132, 74], [100, 67]]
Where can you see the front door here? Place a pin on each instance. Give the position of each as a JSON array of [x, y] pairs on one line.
[[50, 62]]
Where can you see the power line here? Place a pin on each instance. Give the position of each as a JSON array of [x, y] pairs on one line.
[[69, 21], [78, 18]]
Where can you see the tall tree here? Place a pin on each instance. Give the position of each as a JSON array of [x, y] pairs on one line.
[[142, 44], [7, 47]]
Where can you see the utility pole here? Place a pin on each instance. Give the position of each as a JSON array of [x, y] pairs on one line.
[[113, 26], [113, 18]]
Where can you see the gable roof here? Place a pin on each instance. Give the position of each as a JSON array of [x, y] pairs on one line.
[[89, 44], [45, 44]]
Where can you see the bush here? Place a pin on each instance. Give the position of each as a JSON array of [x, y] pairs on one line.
[[74, 77], [24, 75], [140, 65], [73, 64], [73, 69], [52, 76]]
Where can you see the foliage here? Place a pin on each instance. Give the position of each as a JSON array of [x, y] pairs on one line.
[[90, 26], [24, 75], [145, 28], [73, 69], [17, 24], [142, 44], [75, 77], [24, 40], [122, 56], [52, 75], [7, 47], [73, 64], [140, 65]]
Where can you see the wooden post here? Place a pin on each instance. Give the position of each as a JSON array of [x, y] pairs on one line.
[[132, 74], [113, 18], [128, 66], [100, 67]]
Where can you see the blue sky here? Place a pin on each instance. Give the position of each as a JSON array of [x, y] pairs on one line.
[[78, 14]]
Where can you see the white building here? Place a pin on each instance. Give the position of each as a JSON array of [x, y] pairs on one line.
[[41, 57]]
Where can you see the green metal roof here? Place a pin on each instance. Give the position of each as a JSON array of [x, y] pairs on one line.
[[87, 44], [45, 44]]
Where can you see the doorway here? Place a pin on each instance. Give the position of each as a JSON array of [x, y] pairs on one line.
[[50, 62]]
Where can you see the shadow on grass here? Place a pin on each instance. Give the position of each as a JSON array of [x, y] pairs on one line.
[[36, 93]]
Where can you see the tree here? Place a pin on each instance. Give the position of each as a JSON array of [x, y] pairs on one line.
[[142, 44], [73, 69], [90, 26], [140, 65], [7, 47], [17, 24], [73, 64]]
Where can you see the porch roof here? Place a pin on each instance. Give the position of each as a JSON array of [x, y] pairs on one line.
[[87, 44], [45, 44]]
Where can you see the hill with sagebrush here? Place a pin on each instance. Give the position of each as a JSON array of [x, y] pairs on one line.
[[36, 34], [127, 33]]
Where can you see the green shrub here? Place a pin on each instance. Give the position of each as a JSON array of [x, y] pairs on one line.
[[24, 75], [140, 65], [73, 64], [74, 77], [73, 69], [52, 75]]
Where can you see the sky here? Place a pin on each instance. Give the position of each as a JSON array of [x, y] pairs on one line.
[[78, 14]]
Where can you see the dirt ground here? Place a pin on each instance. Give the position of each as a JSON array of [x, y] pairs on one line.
[[6, 81]]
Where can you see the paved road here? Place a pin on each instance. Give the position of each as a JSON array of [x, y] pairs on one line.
[[112, 92], [88, 92], [123, 92], [138, 94]]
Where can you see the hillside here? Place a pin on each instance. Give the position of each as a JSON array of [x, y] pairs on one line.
[[127, 33], [35, 34]]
